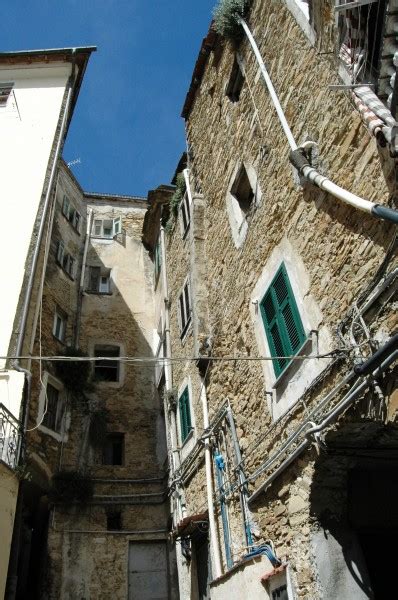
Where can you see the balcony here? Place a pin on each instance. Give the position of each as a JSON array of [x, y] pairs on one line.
[[10, 438]]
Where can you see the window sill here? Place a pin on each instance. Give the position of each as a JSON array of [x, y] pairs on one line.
[[304, 349], [63, 342], [97, 293], [60, 437]]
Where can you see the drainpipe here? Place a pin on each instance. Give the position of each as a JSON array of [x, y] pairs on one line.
[[209, 486], [373, 361], [297, 155], [242, 479], [36, 252], [175, 457], [81, 285]]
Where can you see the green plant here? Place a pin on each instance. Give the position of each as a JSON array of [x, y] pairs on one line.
[[226, 18], [175, 202], [68, 486], [97, 430], [75, 374]]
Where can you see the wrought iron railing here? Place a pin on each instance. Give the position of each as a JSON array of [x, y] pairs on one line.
[[10, 437]]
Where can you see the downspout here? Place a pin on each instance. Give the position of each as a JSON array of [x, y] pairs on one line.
[[343, 405], [297, 156], [82, 274], [175, 457], [209, 486], [242, 480], [36, 253]]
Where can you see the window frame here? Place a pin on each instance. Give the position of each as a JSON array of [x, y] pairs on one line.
[[63, 317], [116, 227], [278, 321], [117, 436], [236, 81], [184, 308], [63, 419], [185, 414], [101, 274], [102, 349], [65, 260], [239, 219]]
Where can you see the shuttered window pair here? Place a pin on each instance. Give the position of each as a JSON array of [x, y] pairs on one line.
[[282, 322], [185, 415]]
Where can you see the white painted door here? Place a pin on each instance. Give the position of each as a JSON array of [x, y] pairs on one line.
[[148, 571]]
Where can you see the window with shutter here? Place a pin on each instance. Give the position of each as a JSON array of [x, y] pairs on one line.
[[282, 322], [185, 415], [185, 308]]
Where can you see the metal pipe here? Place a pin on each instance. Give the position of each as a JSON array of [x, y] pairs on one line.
[[242, 479], [377, 358], [347, 400], [209, 486], [382, 212]]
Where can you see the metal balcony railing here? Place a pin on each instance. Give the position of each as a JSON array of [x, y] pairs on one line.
[[10, 437]]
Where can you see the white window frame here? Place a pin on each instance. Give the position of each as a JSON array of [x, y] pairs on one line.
[[237, 218], [59, 332], [184, 312], [61, 435], [103, 287], [115, 227], [286, 389]]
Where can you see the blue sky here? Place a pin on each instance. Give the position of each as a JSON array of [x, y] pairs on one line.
[[126, 130]]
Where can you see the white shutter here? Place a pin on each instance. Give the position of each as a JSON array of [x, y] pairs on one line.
[[117, 225]]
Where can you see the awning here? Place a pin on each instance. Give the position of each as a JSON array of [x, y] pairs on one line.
[[192, 524], [377, 118]]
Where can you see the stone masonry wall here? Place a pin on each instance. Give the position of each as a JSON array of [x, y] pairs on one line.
[[339, 250]]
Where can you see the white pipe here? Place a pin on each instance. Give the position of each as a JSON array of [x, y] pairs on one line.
[[308, 172], [209, 487], [325, 184], [271, 89]]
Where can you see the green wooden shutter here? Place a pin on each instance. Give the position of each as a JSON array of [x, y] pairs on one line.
[[185, 414], [282, 323]]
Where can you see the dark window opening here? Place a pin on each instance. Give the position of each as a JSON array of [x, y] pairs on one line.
[[114, 521], [361, 31], [236, 82], [106, 369], [243, 191], [113, 451], [54, 409]]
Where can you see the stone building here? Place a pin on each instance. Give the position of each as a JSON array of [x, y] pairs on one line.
[[38, 92], [94, 507], [279, 304]]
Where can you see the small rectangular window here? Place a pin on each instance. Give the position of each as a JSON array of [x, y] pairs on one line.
[[68, 265], [66, 207], [60, 253], [113, 451], [5, 92], [185, 414], [106, 369], [76, 221], [59, 324], [235, 83], [53, 409], [97, 227], [243, 191], [114, 520], [99, 280], [184, 308], [107, 228], [117, 225], [282, 322]]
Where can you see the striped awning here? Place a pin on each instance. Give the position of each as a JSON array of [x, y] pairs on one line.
[[377, 118]]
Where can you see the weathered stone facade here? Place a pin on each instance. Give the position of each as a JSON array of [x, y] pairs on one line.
[[105, 434], [341, 265]]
